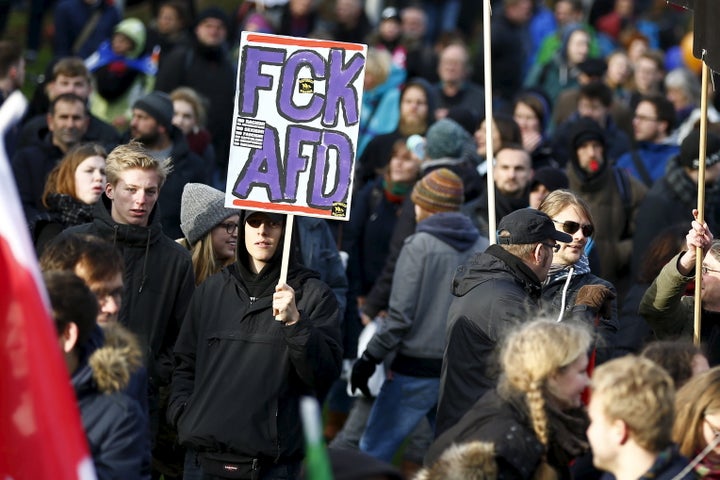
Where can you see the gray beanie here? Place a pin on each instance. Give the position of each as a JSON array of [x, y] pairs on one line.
[[446, 138], [159, 106], [202, 208]]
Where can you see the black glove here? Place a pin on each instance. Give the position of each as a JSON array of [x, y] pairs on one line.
[[363, 369], [597, 297]]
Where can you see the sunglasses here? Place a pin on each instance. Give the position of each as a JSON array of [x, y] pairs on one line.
[[256, 220], [568, 226]]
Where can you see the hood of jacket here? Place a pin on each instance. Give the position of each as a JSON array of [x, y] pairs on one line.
[[453, 228], [135, 31], [495, 263]]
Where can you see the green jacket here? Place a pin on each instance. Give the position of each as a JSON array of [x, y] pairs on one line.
[[665, 306]]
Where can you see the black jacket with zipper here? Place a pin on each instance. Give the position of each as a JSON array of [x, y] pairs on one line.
[[240, 373], [158, 283]]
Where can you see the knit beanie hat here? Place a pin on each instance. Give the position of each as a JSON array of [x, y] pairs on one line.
[[159, 106], [439, 191], [446, 138], [584, 130], [690, 150], [201, 209]]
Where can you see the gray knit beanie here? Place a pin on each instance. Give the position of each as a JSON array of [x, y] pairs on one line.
[[159, 106], [446, 138], [202, 208]]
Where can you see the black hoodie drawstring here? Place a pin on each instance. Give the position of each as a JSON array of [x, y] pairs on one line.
[[147, 250]]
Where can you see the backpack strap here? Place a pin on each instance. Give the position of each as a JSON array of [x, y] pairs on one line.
[[641, 168], [622, 181]]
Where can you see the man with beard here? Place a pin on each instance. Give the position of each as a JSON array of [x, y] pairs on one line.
[[67, 122], [152, 126], [512, 174]]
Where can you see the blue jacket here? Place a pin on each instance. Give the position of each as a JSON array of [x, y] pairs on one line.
[[654, 156]]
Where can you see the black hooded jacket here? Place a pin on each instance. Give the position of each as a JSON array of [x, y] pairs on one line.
[[158, 283], [494, 291], [240, 373]]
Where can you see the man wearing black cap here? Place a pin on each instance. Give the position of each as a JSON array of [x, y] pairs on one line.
[[205, 66], [151, 125], [675, 194], [493, 291], [613, 197]]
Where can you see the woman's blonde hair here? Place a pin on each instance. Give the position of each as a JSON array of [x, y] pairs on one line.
[[62, 178], [192, 97], [204, 261], [699, 397], [534, 352]]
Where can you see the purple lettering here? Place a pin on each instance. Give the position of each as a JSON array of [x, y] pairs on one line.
[[321, 170], [340, 89], [296, 163], [252, 80], [262, 170], [286, 106]]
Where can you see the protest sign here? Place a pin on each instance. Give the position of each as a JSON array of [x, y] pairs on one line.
[[295, 127]]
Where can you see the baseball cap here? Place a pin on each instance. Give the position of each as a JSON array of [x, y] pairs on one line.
[[528, 225]]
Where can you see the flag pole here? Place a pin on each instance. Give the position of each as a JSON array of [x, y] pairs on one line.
[[489, 155], [701, 201]]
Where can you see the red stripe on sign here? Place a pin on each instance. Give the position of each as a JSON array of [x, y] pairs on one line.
[[249, 204], [304, 42]]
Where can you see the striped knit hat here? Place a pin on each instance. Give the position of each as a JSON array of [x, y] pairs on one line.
[[439, 191]]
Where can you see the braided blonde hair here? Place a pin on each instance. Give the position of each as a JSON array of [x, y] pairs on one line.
[[534, 352]]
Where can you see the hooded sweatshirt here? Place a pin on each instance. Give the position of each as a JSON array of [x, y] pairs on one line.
[[421, 293]]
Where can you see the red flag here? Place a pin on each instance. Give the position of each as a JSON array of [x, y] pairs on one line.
[[41, 435]]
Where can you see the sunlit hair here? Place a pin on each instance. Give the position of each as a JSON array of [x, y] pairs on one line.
[[190, 96], [70, 67], [715, 250], [466, 461], [699, 397], [378, 63], [558, 200], [522, 250], [204, 260], [134, 155], [62, 177], [640, 393], [534, 352], [98, 257], [675, 356]]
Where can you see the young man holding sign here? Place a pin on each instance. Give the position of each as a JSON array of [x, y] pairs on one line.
[[248, 349]]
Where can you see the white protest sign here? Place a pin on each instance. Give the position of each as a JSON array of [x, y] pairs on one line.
[[295, 127]]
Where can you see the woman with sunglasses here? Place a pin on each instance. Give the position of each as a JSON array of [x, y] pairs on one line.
[[210, 230], [697, 422], [570, 269], [248, 349]]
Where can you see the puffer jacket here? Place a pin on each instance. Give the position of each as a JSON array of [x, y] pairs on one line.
[[240, 373], [494, 291]]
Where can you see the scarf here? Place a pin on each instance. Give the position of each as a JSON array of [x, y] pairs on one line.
[[686, 190], [69, 210], [559, 272]]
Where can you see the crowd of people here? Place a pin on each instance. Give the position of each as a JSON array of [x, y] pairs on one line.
[[561, 350]]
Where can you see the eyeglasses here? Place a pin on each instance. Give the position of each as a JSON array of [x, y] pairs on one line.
[[256, 220], [705, 270], [555, 247], [568, 226], [229, 227], [103, 295]]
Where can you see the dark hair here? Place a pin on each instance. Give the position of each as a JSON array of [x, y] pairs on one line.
[[72, 302], [100, 258], [69, 98], [664, 109], [538, 102], [675, 356], [662, 248], [10, 55], [597, 90]]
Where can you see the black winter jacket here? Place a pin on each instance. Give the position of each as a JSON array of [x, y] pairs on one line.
[[240, 373], [158, 283], [493, 292]]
